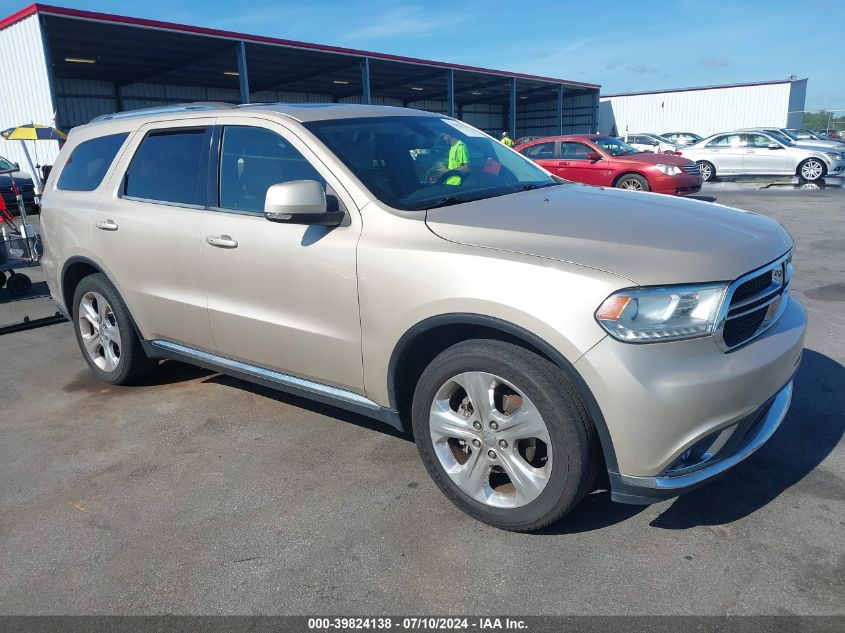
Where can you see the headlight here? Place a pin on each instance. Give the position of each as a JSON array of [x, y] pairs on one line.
[[669, 170], [833, 156], [647, 315]]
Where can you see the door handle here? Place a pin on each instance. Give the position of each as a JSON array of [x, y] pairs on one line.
[[221, 241], [107, 225], [563, 163]]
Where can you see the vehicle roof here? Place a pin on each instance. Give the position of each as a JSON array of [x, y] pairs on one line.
[[301, 112], [564, 137]]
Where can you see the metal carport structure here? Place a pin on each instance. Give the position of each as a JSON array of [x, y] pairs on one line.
[[82, 64]]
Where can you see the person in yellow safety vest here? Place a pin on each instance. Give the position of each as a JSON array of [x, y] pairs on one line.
[[458, 159], [506, 140]]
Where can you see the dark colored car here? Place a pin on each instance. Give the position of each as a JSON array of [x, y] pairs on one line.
[[595, 159], [9, 173]]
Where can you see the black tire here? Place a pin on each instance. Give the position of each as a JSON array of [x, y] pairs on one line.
[[707, 168], [2, 279], [819, 173], [18, 285], [574, 441], [133, 363], [632, 182]]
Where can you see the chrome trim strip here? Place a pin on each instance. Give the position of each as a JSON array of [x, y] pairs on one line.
[[772, 291], [774, 417], [725, 308], [757, 307], [268, 374]]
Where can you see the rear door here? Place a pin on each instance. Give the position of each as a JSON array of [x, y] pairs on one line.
[[283, 297], [544, 154], [576, 166], [726, 152], [147, 228], [761, 159]]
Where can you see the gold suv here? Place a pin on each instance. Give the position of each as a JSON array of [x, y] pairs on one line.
[[529, 332]]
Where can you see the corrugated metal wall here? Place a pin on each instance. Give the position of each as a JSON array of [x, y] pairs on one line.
[[540, 119], [25, 90], [704, 112]]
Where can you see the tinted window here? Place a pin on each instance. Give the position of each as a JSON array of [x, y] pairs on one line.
[[574, 151], [251, 160], [540, 151], [88, 163], [5, 164], [168, 167]]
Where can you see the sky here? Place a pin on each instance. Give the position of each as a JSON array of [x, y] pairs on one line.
[[624, 46]]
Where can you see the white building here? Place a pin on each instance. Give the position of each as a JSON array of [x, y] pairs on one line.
[[705, 110]]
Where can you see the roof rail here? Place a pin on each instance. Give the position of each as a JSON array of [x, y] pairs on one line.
[[177, 107]]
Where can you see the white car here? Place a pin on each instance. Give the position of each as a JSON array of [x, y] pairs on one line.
[[762, 154], [650, 142]]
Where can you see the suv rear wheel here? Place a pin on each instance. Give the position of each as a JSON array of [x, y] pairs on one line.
[[106, 334], [503, 434]]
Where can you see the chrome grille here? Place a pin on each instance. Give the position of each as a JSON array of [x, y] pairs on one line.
[[753, 303], [692, 170]]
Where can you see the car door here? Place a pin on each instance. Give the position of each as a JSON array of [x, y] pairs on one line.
[[147, 228], [760, 158], [726, 152], [280, 296], [575, 164]]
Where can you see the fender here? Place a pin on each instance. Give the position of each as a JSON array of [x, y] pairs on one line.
[[527, 337]]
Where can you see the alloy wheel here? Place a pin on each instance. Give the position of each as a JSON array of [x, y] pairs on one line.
[[490, 439], [99, 331], [631, 184], [812, 170], [706, 172]]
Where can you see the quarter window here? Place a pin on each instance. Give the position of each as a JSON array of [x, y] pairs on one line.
[[88, 163], [253, 159], [168, 167]]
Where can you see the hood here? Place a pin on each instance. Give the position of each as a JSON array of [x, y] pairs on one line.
[[19, 177], [653, 159], [650, 239]]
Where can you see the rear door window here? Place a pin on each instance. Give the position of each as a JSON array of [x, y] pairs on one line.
[[170, 166], [540, 151], [88, 163]]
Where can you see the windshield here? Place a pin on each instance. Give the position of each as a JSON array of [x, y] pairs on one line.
[[5, 164], [783, 139], [421, 162], [614, 146], [789, 134]]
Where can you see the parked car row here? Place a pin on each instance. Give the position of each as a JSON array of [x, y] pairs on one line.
[[765, 152], [595, 159]]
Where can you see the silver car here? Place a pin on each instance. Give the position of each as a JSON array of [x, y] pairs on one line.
[[800, 142], [758, 153], [528, 331], [651, 142]]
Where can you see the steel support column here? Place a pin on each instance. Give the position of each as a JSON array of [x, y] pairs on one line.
[[450, 92], [560, 109], [243, 72], [365, 81], [512, 112]]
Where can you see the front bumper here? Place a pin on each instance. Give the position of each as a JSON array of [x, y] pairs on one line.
[[679, 185], [680, 413]]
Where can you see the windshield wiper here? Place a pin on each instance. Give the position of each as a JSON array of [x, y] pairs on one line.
[[447, 202]]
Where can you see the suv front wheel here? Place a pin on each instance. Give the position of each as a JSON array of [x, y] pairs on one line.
[[504, 435]]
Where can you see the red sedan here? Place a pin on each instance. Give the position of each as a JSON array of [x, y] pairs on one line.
[[606, 161]]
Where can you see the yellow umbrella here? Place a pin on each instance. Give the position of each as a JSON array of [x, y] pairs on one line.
[[33, 132]]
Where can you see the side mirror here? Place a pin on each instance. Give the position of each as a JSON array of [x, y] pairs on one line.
[[16, 166], [774, 146], [593, 156], [300, 202]]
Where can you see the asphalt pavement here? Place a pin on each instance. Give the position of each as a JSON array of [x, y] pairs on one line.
[[196, 493]]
